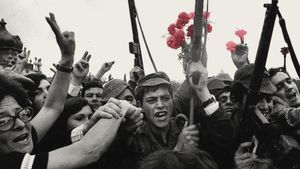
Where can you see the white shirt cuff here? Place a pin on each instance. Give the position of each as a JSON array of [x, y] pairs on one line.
[[73, 90]]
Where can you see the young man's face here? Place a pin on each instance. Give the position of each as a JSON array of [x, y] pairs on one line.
[[286, 89], [94, 96], [40, 94], [225, 102], [158, 106], [18, 138]]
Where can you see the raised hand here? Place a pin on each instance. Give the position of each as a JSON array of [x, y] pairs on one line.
[[202, 83], [240, 55], [22, 60], [136, 74], [243, 154], [188, 138], [81, 69], [65, 41]]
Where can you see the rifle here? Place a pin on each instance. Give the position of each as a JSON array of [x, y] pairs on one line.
[[134, 47], [253, 122]]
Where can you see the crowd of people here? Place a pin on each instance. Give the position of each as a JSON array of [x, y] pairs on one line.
[[72, 121]]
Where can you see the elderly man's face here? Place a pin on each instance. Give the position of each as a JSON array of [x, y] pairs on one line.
[[18, 138], [286, 89], [94, 96], [158, 106]]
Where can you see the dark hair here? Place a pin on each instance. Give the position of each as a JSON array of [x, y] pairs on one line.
[[14, 89], [169, 159], [90, 84], [273, 71], [58, 135], [145, 89], [36, 78]]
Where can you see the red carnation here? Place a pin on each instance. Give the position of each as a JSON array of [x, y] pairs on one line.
[[176, 41], [206, 14], [190, 31], [209, 28], [184, 17], [179, 24], [172, 29], [192, 15], [231, 46], [241, 33]]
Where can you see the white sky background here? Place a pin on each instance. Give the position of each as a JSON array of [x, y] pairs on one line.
[[104, 29]]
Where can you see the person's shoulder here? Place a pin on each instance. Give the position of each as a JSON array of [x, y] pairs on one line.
[[11, 160]]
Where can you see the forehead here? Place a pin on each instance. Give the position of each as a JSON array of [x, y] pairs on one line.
[[44, 83], [8, 102], [94, 90], [226, 93], [85, 110], [278, 77], [156, 92], [125, 93]]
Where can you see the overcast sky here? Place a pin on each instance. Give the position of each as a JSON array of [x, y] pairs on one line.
[[103, 28]]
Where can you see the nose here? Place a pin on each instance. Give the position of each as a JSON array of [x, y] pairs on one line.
[[228, 101], [19, 124], [288, 86], [45, 93], [159, 103]]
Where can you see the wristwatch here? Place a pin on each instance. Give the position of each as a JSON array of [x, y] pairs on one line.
[[208, 102]]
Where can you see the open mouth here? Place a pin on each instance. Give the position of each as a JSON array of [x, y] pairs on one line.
[[228, 109], [291, 97], [161, 114], [22, 139]]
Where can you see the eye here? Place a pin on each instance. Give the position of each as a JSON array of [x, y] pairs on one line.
[[79, 117], [166, 98], [289, 80], [129, 98], [89, 95], [4, 121], [98, 95], [150, 100], [223, 99], [279, 86]]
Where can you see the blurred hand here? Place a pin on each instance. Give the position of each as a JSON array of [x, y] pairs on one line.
[[188, 138], [136, 74], [240, 55], [243, 154], [81, 69], [198, 68]]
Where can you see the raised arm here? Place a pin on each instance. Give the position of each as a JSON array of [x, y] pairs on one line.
[[58, 90], [95, 142]]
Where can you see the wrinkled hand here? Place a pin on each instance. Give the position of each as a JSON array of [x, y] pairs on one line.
[[188, 138], [240, 55], [136, 74], [112, 109], [81, 68], [65, 41], [242, 156]]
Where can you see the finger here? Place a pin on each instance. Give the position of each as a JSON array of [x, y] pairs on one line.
[[133, 127], [53, 64], [244, 156], [53, 24], [24, 50], [196, 139], [88, 58], [66, 34], [71, 34], [185, 124], [84, 55], [54, 71], [78, 66], [193, 132], [191, 127], [115, 101], [28, 54], [111, 111], [114, 107], [105, 115], [242, 147], [111, 63]]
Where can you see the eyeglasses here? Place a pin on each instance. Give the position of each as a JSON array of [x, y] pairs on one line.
[[8, 122]]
